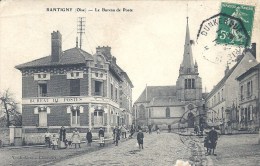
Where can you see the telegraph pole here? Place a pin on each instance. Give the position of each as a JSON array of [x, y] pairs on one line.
[[81, 28]]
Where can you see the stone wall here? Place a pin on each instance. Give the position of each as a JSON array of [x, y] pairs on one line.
[[5, 136]]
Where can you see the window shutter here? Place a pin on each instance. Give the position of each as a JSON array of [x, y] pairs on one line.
[[35, 110]]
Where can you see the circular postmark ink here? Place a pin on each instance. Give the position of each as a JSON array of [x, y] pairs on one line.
[[224, 36], [213, 36]]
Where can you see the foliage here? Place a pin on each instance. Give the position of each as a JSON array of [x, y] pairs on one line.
[[10, 108]]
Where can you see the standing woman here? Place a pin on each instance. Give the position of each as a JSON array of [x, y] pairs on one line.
[[117, 133], [140, 139], [89, 137], [76, 138]]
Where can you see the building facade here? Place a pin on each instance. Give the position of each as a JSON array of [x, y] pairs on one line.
[[222, 102], [179, 105], [74, 89], [249, 84]]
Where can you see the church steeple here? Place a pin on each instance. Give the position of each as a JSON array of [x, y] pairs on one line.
[[187, 65]]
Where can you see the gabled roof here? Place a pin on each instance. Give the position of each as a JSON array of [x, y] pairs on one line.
[[249, 71], [68, 57], [156, 91], [223, 80], [166, 101]]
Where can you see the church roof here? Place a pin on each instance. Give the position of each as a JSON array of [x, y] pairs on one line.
[[156, 91], [187, 62], [68, 57], [165, 101]]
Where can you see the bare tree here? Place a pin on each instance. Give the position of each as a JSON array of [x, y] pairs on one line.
[[10, 109]]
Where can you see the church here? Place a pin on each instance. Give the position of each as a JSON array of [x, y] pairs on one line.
[[180, 105]]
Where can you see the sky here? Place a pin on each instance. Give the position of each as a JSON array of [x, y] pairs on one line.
[[147, 42]]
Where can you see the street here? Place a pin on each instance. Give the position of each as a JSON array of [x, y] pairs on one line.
[[159, 149]]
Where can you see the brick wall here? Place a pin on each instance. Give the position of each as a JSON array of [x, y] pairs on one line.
[[30, 87], [29, 118], [84, 85], [84, 117], [58, 85], [58, 116]]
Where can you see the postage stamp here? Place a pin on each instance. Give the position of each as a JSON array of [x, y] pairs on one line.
[[237, 29], [228, 33]]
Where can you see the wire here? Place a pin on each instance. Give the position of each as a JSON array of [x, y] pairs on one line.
[[89, 44], [66, 37], [92, 37]]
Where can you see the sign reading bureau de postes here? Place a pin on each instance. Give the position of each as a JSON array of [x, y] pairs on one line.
[[235, 25]]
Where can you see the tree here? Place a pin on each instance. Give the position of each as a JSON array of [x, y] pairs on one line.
[[10, 107]]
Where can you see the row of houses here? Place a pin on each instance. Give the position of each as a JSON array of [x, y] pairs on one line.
[[234, 101], [74, 89]]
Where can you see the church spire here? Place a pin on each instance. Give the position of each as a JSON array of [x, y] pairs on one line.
[[187, 63]]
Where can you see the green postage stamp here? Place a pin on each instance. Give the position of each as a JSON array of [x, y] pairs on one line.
[[235, 24]]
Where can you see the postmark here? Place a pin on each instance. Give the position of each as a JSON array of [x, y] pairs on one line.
[[223, 37]]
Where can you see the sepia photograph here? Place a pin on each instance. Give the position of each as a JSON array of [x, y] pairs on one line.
[[129, 83]]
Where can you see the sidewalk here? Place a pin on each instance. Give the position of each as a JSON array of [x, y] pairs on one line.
[[41, 155]]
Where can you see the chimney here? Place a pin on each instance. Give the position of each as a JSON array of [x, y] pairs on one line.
[[106, 51], [227, 70], [253, 49], [56, 46]]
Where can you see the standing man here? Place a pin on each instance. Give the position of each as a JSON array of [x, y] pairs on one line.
[[213, 137], [150, 129], [62, 134], [140, 139], [89, 137]]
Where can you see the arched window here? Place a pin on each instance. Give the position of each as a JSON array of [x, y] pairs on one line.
[[141, 111], [168, 113]]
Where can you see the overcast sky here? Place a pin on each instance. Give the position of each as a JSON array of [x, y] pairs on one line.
[[148, 42]]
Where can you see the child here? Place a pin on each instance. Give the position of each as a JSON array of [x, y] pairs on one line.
[[54, 142], [158, 130], [206, 144]]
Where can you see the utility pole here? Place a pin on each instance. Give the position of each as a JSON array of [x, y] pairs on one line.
[[81, 28]]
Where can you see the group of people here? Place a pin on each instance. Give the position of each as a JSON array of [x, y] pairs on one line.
[[54, 140]]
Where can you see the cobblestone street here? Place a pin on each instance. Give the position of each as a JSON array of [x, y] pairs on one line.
[[162, 149]]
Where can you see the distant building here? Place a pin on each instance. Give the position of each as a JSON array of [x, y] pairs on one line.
[[248, 109], [173, 105], [223, 100], [74, 89]]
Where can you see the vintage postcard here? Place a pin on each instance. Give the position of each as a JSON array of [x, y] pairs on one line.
[[129, 82]]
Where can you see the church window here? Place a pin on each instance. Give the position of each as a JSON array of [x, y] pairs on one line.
[[189, 83], [168, 113], [193, 83]]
